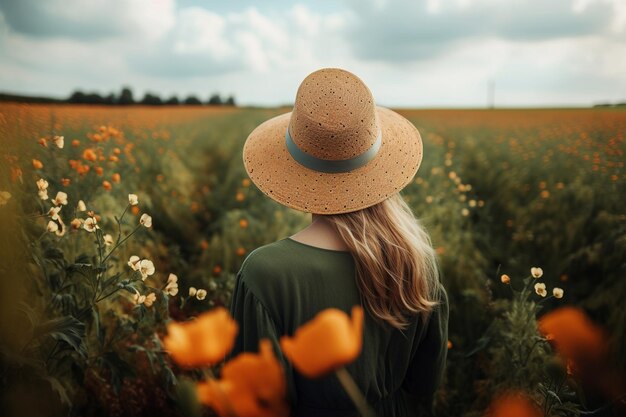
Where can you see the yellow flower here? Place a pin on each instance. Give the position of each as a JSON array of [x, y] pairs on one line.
[[327, 342], [59, 141], [43, 194], [172, 285], [61, 198], [540, 289], [132, 199], [464, 211], [201, 294], [81, 206], [252, 385], [146, 220], [536, 272], [192, 291], [202, 341], [557, 292], [90, 224], [505, 279], [150, 299]]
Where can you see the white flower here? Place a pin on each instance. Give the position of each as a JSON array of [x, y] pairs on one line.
[[540, 289], [54, 212], [557, 292], [201, 294], [172, 285], [52, 226], [42, 185], [192, 291], [43, 194], [61, 198], [133, 199], [90, 224], [146, 267], [133, 262], [81, 206], [61, 230], [150, 299], [536, 272], [146, 220], [59, 141], [108, 239]]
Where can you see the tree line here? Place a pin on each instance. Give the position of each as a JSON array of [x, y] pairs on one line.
[[124, 98]]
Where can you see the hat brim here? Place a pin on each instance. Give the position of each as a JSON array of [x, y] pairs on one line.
[[272, 169]]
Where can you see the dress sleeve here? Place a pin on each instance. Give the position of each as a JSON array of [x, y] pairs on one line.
[[256, 323], [427, 366]]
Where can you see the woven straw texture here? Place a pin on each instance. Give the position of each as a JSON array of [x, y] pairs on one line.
[[335, 118]]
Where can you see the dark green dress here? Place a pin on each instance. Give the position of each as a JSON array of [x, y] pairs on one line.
[[282, 285]]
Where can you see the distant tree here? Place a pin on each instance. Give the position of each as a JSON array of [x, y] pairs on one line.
[[77, 97], [126, 97], [151, 100], [109, 99], [193, 100], [173, 101], [215, 100], [230, 101]]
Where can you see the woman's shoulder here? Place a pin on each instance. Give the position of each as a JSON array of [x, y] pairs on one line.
[[267, 258]]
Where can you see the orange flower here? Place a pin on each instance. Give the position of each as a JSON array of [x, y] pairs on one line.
[[43, 142], [106, 185], [89, 154], [575, 336], [243, 223], [113, 158], [99, 170], [76, 143], [240, 196], [203, 341], [513, 404], [116, 178], [325, 343], [241, 251], [37, 164], [66, 181], [252, 385], [135, 210], [217, 270]]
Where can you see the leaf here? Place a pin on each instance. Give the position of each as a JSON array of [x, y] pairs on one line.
[[119, 369], [59, 389], [110, 280], [67, 329], [480, 345], [554, 395], [28, 312]]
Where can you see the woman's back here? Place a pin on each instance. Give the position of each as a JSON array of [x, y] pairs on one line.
[[282, 285]]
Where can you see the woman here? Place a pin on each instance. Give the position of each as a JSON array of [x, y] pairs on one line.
[[342, 158]]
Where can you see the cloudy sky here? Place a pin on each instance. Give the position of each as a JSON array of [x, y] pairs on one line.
[[416, 53]]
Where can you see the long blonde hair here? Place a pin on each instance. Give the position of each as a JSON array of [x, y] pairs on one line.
[[396, 266]]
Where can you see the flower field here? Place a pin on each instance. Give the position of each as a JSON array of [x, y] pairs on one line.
[[117, 222]]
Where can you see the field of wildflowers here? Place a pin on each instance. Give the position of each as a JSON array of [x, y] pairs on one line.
[[119, 224]]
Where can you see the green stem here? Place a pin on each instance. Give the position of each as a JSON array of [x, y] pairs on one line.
[[354, 393], [118, 244]]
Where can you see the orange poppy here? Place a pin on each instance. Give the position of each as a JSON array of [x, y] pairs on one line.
[[203, 341], [574, 335], [89, 154], [327, 342], [252, 385], [106, 185], [513, 404], [37, 164]]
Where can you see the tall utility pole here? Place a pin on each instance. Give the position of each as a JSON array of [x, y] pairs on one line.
[[491, 90]]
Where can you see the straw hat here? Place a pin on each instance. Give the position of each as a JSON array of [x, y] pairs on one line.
[[336, 151]]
